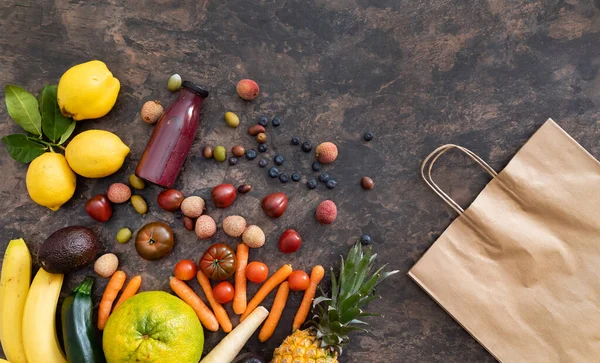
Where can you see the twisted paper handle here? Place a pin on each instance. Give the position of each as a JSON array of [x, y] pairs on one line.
[[430, 160]]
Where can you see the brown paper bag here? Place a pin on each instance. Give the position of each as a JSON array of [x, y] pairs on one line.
[[520, 268]]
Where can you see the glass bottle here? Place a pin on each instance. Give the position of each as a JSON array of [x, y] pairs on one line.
[[172, 138]]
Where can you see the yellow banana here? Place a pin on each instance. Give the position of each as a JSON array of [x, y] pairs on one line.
[[3, 361], [39, 329], [14, 285]]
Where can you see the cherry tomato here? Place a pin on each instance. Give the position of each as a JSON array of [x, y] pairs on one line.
[[185, 270], [257, 272], [275, 204], [299, 280], [223, 292], [154, 240], [290, 241], [170, 199], [223, 195], [99, 208], [218, 262]]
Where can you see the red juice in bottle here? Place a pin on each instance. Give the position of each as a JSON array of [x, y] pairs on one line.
[[172, 138]]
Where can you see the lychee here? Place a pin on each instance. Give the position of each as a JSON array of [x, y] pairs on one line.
[[247, 89], [254, 236], [326, 152], [192, 206], [205, 227], [234, 226], [118, 193], [151, 112], [326, 212]]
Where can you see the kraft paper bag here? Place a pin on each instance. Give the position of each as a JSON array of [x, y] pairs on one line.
[[520, 268]]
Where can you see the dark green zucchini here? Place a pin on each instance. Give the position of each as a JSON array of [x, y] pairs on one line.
[[81, 343]]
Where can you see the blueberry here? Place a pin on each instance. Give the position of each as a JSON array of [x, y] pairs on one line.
[[250, 154], [276, 122], [368, 136], [316, 166], [296, 177], [295, 141], [233, 160], [284, 178], [263, 162], [365, 239], [262, 148], [278, 159], [273, 172], [324, 177], [263, 121], [331, 184], [311, 184], [306, 146]]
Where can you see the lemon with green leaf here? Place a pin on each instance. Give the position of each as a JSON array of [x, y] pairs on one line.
[[50, 182]]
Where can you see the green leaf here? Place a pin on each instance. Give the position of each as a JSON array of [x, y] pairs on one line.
[[21, 148], [23, 109], [54, 124], [65, 136]]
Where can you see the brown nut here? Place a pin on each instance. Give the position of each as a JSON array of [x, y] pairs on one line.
[[207, 152], [244, 188], [238, 151], [256, 129], [261, 138], [188, 223], [367, 183]]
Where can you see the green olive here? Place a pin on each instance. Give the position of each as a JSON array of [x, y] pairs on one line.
[[136, 182], [174, 83], [139, 204], [232, 119], [124, 235], [219, 153]]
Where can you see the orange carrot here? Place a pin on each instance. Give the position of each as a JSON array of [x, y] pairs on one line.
[[131, 289], [278, 277], [315, 277], [220, 312], [278, 305], [239, 299], [207, 318], [115, 284]]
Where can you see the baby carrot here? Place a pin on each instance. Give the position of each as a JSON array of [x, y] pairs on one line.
[[218, 309], [115, 284], [276, 310], [315, 277], [131, 289], [239, 299], [278, 277], [207, 318]]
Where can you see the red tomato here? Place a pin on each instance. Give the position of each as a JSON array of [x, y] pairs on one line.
[[223, 292], [185, 270], [99, 208], [290, 241], [223, 195], [299, 280], [170, 199], [218, 262], [257, 272]]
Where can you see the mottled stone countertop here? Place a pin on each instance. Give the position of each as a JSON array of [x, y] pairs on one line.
[[483, 74]]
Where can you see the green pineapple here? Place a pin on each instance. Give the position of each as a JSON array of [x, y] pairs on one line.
[[338, 315]]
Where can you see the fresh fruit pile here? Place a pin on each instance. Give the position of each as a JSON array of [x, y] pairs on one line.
[[156, 326]]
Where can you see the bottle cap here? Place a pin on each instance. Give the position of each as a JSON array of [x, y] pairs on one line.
[[195, 88]]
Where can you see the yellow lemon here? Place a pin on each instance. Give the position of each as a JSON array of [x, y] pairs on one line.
[[153, 327], [87, 90], [50, 182], [96, 153]]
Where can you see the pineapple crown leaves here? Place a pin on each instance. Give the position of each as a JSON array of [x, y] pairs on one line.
[[352, 289]]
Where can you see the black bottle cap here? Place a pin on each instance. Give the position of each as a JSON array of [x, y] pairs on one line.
[[195, 88]]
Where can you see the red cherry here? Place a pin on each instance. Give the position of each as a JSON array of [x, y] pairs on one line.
[[223, 195], [275, 204]]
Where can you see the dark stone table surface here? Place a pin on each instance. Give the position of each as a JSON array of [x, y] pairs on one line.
[[483, 74]]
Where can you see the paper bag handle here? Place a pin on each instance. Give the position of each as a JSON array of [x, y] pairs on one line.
[[430, 160]]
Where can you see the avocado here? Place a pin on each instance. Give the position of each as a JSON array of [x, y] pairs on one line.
[[68, 249]]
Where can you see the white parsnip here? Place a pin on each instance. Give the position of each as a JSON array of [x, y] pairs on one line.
[[230, 346]]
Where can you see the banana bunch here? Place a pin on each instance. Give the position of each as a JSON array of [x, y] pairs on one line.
[[28, 311]]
